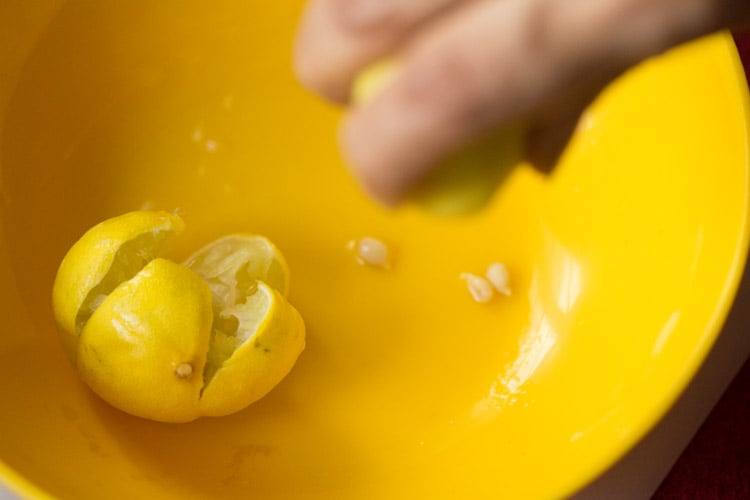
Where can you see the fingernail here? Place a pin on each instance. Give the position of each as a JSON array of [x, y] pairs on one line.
[[358, 15]]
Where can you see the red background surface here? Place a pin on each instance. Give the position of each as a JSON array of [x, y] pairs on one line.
[[716, 463]]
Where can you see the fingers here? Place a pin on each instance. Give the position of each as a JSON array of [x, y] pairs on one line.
[[490, 62], [493, 62], [338, 37]]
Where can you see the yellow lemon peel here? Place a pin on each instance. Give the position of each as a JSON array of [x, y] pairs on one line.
[[173, 342]]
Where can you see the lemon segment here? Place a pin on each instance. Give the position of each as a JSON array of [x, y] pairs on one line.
[[106, 255], [221, 348], [466, 180], [144, 349], [270, 336], [257, 335], [232, 264]]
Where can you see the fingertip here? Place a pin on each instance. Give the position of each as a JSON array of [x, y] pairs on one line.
[[313, 63], [361, 156], [303, 70]]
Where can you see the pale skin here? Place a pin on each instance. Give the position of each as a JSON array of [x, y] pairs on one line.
[[468, 66]]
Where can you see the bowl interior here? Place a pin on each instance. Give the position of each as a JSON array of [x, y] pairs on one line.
[[623, 263]]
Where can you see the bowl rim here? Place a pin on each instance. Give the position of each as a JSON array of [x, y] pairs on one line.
[[724, 302], [14, 482]]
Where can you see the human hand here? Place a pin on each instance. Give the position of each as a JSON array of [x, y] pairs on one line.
[[467, 66]]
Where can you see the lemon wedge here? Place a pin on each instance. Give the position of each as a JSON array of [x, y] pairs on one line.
[[173, 342], [143, 350], [109, 253]]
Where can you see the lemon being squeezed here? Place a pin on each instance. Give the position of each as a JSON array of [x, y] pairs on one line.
[[465, 181], [173, 342]]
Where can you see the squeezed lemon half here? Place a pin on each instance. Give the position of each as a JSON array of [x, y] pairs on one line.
[[466, 180], [173, 342]]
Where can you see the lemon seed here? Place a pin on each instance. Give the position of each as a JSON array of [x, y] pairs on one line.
[[497, 274], [184, 370], [479, 288]]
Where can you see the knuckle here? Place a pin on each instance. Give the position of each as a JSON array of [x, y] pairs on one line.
[[370, 17], [444, 80], [539, 25]]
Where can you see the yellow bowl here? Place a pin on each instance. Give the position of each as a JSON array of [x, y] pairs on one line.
[[623, 264]]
